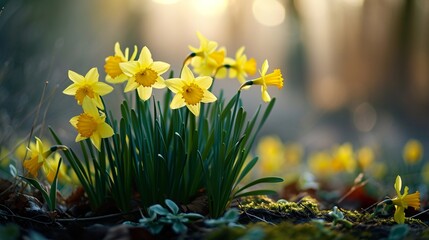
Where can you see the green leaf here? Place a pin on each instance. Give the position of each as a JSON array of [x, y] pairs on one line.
[[53, 191], [256, 192], [260, 180], [179, 227], [247, 169], [158, 209], [174, 208], [37, 185]]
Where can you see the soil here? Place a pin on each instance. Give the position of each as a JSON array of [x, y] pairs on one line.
[[23, 215]]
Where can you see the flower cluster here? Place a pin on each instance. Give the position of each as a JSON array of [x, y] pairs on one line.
[[164, 150], [144, 74]]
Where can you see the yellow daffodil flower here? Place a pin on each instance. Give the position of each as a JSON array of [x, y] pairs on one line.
[[144, 74], [240, 67], [38, 157], [112, 68], [320, 164], [343, 158], [87, 86], [365, 158], [403, 201], [190, 91], [50, 169], [206, 59], [90, 124], [271, 154], [273, 79], [413, 151]]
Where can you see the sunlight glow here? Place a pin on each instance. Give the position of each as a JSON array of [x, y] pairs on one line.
[[269, 12], [210, 7], [166, 2]]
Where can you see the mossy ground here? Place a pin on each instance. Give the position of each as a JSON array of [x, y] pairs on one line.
[[262, 217], [266, 219]]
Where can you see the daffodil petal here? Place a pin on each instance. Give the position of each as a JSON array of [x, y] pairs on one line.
[[195, 109], [144, 92], [129, 68], [264, 67], [265, 96], [160, 83], [89, 107], [145, 56], [75, 77], [208, 97], [96, 140], [398, 185], [73, 121], [119, 79], [71, 90], [102, 88], [160, 67], [131, 85], [79, 138], [187, 74], [105, 130], [177, 101], [204, 82], [175, 84], [92, 75], [399, 215]]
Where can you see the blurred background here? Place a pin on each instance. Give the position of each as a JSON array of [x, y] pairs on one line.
[[356, 71]]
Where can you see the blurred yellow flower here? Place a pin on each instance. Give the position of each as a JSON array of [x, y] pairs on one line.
[[207, 60], [90, 124], [343, 158], [378, 170], [240, 67], [273, 79], [4, 157], [112, 68], [190, 91], [403, 201], [144, 74], [292, 154], [413, 151], [37, 159], [50, 169], [320, 164], [271, 155], [365, 157], [87, 86]]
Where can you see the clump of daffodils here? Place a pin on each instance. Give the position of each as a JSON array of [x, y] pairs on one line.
[[164, 150]]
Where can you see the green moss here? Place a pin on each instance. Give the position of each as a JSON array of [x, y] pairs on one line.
[[305, 220], [284, 230]]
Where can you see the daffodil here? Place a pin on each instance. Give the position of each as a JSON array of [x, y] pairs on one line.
[[271, 154], [240, 67], [413, 151], [112, 68], [37, 158], [90, 124], [87, 86], [190, 91], [50, 168], [207, 60], [343, 158], [365, 157], [144, 74], [272, 79], [403, 201]]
